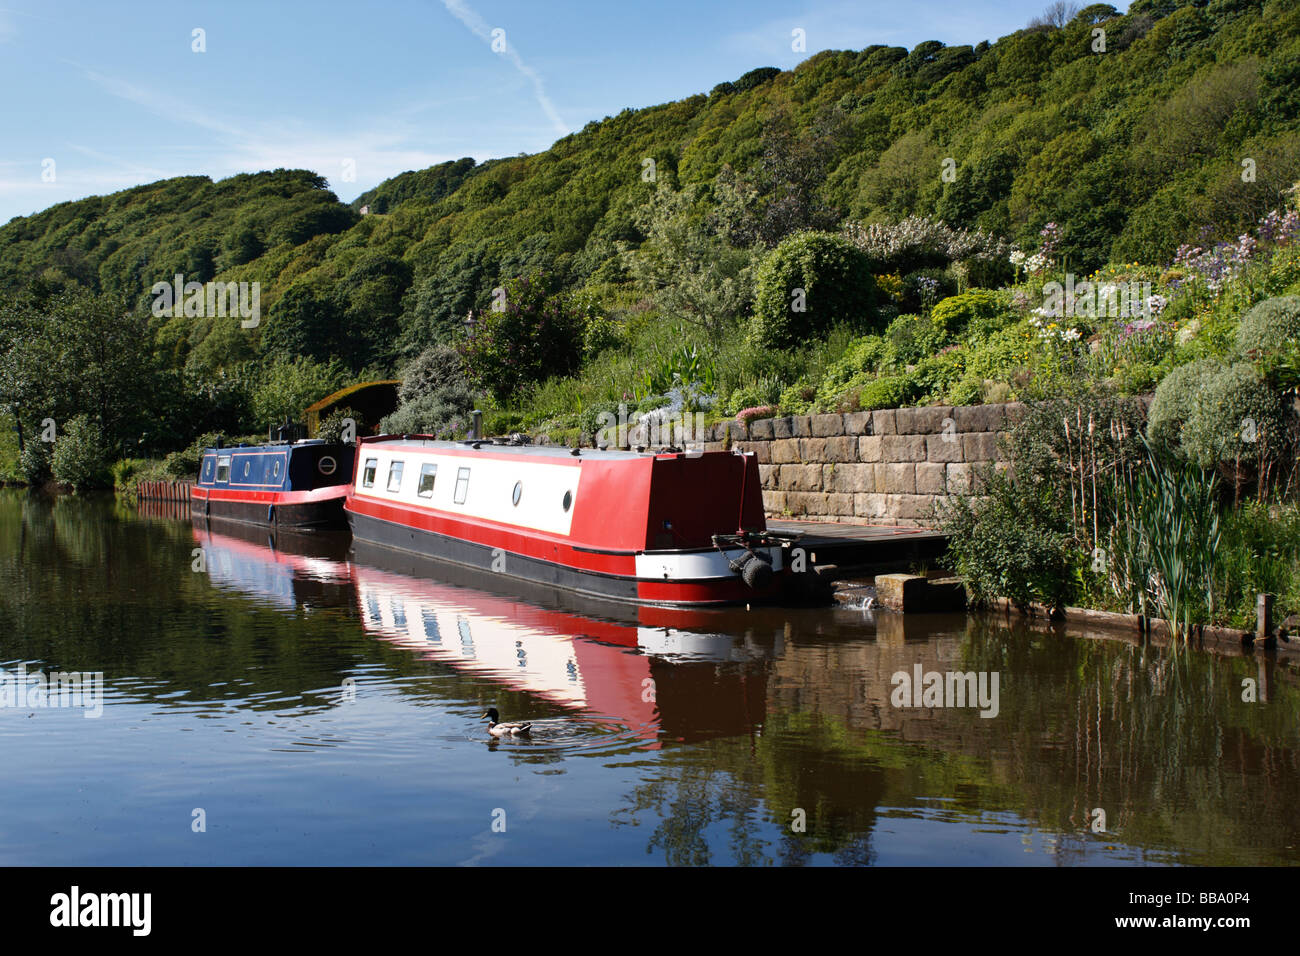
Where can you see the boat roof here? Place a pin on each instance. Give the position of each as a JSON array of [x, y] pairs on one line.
[[539, 451], [268, 446]]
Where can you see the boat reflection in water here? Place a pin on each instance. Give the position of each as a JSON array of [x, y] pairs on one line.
[[651, 671], [284, 569]]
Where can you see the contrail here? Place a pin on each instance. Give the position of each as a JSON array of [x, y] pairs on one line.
[[480, 28]]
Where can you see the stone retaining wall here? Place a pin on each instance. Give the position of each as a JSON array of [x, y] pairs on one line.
[[881, 467]]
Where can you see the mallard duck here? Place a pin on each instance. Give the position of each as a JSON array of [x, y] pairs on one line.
[[498, 729]]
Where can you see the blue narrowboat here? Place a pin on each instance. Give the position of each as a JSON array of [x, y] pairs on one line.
[[299, 485]]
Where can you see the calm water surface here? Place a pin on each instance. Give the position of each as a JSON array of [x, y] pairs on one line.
[[316, 703]]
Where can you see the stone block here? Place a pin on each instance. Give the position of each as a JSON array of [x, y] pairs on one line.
[[857, 423], [812, 449], [959, 478], [805, 503], [896, 478], [761, 429], [930, 478], [800, 478], [839, 505], [781, 428], [894, 448], [870, 506], [826, 426], [849, 478], [785, 451], [870, 448], [884, 422], [943, 448], [842, 448], [900, 592], [979, 446]]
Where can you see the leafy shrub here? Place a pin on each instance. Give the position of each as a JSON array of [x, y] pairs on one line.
[[752, 396], [444, 413], [287, 388], [1269, 325], [34, 463], [975, 314], [837, 287], [80, 458], [910, 338], [858, 362], [997, 360], [537, 333], [433, 369], [1010, 543], [889, 391], [935, 375], [334, 424], [601, 334], [1234, 415], [1176, 397], [185, 464], [798, 398]]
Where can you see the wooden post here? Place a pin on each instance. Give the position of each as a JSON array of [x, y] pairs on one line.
[[1263, 616]]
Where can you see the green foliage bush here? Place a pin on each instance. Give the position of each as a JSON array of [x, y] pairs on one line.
[[1176, 397], [975, 314], [184, 464], [80, 458], [1269, 325], [435, 368], [333, 425], [537, 333], [285, 389], [1234, 415], [1009, 543], [889, 391], [444, 413], [837, 287], [798, 398], [34, 463], [910, 338]]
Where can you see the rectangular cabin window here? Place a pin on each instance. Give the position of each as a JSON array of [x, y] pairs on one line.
[[368, 474], [395, 477], [223, 468], [428, 472], [462, 485]]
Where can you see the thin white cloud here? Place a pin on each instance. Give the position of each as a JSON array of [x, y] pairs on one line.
[[479, 27], [369, 156]]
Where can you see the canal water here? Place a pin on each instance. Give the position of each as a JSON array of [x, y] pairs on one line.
[[300, 701]]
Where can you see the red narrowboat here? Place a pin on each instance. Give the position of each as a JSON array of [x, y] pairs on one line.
[[667, 527]]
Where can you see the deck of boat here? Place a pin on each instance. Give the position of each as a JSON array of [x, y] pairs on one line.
[[840, 549]]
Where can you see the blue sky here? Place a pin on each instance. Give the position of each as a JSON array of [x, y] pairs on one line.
[[115, 95]]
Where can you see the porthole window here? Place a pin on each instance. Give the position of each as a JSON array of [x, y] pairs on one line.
[[326, 465], [207, 468], [275, 471], [568, 500], [248, 467], [514, 495]]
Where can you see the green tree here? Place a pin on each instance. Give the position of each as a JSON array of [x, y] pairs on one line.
[[808, 284]]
